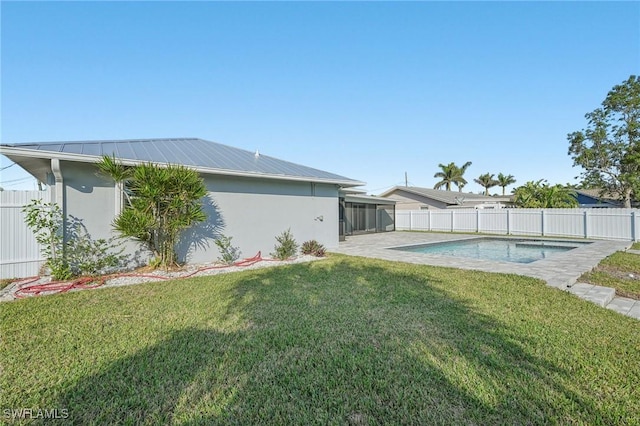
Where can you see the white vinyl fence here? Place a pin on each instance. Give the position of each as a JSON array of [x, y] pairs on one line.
[[19, 251], [609, 224]]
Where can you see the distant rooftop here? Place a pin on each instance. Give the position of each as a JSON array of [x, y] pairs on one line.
[[205, 156], [448, 197]]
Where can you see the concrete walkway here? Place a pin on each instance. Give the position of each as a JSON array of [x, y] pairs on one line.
[[560, 270]]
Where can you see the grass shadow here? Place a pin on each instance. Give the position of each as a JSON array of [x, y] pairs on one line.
[[343, 341]]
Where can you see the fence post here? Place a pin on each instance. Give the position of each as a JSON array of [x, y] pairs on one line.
[[453, 215], [586, 223], [508, 221], [410, 220], [542, 222], [633, 225], [478, 220], [429, 227]]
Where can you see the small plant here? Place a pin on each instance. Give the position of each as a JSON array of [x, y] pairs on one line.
[[228, 253], [313, 248], [78, 254], [155, 262], [286, 247], [93, 257], [46, 222]]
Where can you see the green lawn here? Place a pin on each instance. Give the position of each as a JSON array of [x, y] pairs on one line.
[[339, 341], [620, 271]]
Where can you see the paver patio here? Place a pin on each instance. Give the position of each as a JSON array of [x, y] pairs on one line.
[[560, 270]]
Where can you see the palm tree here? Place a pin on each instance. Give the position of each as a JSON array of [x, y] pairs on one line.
[[447, 176], [451, 174], [505, 181], [164, 202], [486, 181], [461, 180]]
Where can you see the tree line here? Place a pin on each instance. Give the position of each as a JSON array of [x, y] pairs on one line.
[[538, 194], [452, 174], [608, 151]]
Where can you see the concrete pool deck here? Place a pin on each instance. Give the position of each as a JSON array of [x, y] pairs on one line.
[[560, 270]]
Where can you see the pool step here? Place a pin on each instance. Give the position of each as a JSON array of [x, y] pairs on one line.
[[599, 295]]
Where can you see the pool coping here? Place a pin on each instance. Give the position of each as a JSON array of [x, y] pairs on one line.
[[537, 242]]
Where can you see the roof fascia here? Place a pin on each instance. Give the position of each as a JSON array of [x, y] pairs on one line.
[[4, 150]]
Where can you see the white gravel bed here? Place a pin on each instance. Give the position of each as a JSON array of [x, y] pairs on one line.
[[131, 278]]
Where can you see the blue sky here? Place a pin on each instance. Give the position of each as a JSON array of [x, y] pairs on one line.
[[366, 90]]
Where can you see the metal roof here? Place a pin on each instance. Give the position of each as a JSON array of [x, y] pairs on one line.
[[448, 197], [205, 156]]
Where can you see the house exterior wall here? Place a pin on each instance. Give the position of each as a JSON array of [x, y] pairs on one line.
[[408, 201], [89, 197], [254, 211], [251, 211]]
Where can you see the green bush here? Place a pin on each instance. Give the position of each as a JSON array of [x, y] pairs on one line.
[[313, 248], [228, 253], [69, 249], [161, 203], [286, 247]]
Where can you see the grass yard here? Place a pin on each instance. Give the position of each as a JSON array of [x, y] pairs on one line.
[[621, 271], [340, 341]]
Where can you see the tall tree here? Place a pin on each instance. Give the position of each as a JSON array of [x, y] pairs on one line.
[[505, 180], [461, 182], [486, 181], [609, 148], [451, 174]]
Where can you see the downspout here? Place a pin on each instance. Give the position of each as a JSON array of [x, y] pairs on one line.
[[57, 174], [59, 198]]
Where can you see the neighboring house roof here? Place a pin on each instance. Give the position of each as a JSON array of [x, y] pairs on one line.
[[600, 196], [368, 199], [202, 155], [448, 197]]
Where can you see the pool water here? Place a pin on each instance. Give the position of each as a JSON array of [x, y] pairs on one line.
[[505, 250]]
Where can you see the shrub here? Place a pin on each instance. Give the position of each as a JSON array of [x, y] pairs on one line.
[[161, 203], [286, 247], [78, 253], [94, 257], [313, 248], [228, 253]]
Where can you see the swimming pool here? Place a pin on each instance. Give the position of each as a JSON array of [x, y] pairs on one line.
[[500, 249]]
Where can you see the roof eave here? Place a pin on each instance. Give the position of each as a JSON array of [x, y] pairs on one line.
[[8, 151], [415, 192]]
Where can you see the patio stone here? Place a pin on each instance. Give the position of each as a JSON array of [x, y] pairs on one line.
[[621, 304], [560, 270]]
